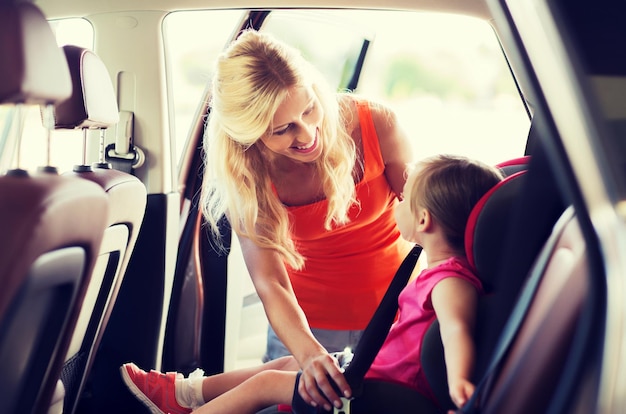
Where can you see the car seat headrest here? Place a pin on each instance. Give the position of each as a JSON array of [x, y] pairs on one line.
[[514, 165], [32, 67], [487, 225], [93, 104]]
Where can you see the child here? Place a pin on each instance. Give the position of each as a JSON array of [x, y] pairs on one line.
[[438, 197]]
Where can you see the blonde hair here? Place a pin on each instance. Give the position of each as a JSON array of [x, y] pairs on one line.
[[449, 187], [252, 78]]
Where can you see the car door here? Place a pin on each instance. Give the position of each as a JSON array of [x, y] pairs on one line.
[[443, 74]]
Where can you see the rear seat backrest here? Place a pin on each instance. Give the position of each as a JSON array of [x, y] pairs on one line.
[[52, 227], [93, 105], [536, 359]]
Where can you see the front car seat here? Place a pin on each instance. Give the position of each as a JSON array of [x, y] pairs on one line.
[[52, 227]]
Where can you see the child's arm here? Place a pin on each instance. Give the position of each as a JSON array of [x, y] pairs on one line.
[[454, 301]]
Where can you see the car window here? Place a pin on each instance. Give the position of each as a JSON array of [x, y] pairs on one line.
[[449, 83], [66, 146], [444, 75], [336, 47], [193, 39]]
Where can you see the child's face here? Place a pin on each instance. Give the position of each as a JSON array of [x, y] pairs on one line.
[[405, 219]]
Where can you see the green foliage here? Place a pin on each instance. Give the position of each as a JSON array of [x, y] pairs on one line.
[[408, 76]]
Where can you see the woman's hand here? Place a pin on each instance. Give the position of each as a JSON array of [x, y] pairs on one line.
[[315, 387]]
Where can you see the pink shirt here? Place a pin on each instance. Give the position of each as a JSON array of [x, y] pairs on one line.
[[399, 358]]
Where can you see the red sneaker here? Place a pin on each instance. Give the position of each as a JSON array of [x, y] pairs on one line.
[[154, 389]]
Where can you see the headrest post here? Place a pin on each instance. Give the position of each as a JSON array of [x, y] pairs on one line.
[[83, 167], [101, 156], [102, 161], [20, 118], [84, 146], [47, 112]]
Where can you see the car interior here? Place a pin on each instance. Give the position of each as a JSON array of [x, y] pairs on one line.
[[108, 260]]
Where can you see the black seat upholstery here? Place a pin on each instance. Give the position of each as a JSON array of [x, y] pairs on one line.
[[535, 363], [52, 227], [93, 106]]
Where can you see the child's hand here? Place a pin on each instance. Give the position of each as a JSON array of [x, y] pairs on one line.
[[460, 391]]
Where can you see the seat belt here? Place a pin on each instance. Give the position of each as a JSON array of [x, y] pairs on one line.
[[371, 339], [377, 329]]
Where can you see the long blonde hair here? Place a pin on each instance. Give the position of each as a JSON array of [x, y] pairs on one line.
[[252, 79]]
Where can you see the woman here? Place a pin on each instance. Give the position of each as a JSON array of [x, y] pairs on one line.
[[308, 179]]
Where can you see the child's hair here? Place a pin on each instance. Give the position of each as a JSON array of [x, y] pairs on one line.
[[449, 187]]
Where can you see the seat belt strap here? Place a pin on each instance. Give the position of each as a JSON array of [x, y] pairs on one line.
[[376, 331]]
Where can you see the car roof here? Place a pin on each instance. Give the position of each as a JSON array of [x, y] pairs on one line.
[[70, 8]]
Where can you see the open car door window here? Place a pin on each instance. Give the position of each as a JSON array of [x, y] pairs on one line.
[[337, 48], [444, 75]]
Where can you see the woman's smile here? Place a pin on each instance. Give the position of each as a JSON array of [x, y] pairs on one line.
[[310, 147]]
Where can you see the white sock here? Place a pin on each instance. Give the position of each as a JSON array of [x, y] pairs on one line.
[[189, 390]]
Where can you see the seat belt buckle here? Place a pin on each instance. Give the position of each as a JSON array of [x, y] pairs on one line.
[[345, 406]]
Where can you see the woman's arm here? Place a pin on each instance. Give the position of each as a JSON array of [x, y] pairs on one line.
[[272, 284], [394, 146], [454, 301]]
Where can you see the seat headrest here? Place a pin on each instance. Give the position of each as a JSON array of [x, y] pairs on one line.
[[33, 69], [514, 165], [93, 103], [487, 225]]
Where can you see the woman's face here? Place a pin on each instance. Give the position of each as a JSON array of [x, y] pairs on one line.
[[296, 126]]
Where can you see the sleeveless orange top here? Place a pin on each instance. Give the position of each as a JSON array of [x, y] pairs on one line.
[[348, 268]]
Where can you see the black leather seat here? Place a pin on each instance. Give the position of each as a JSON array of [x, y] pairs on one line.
[[52, 227], [534, 370]]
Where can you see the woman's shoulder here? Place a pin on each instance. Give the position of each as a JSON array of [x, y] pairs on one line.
[[380, 113], [352, 100], [348, 107]]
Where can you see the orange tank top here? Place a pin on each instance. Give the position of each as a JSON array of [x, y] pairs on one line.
[[348, 268]]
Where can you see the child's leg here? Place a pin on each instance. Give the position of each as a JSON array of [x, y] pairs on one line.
[[171, 393], [266, 388], [216, 385]]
